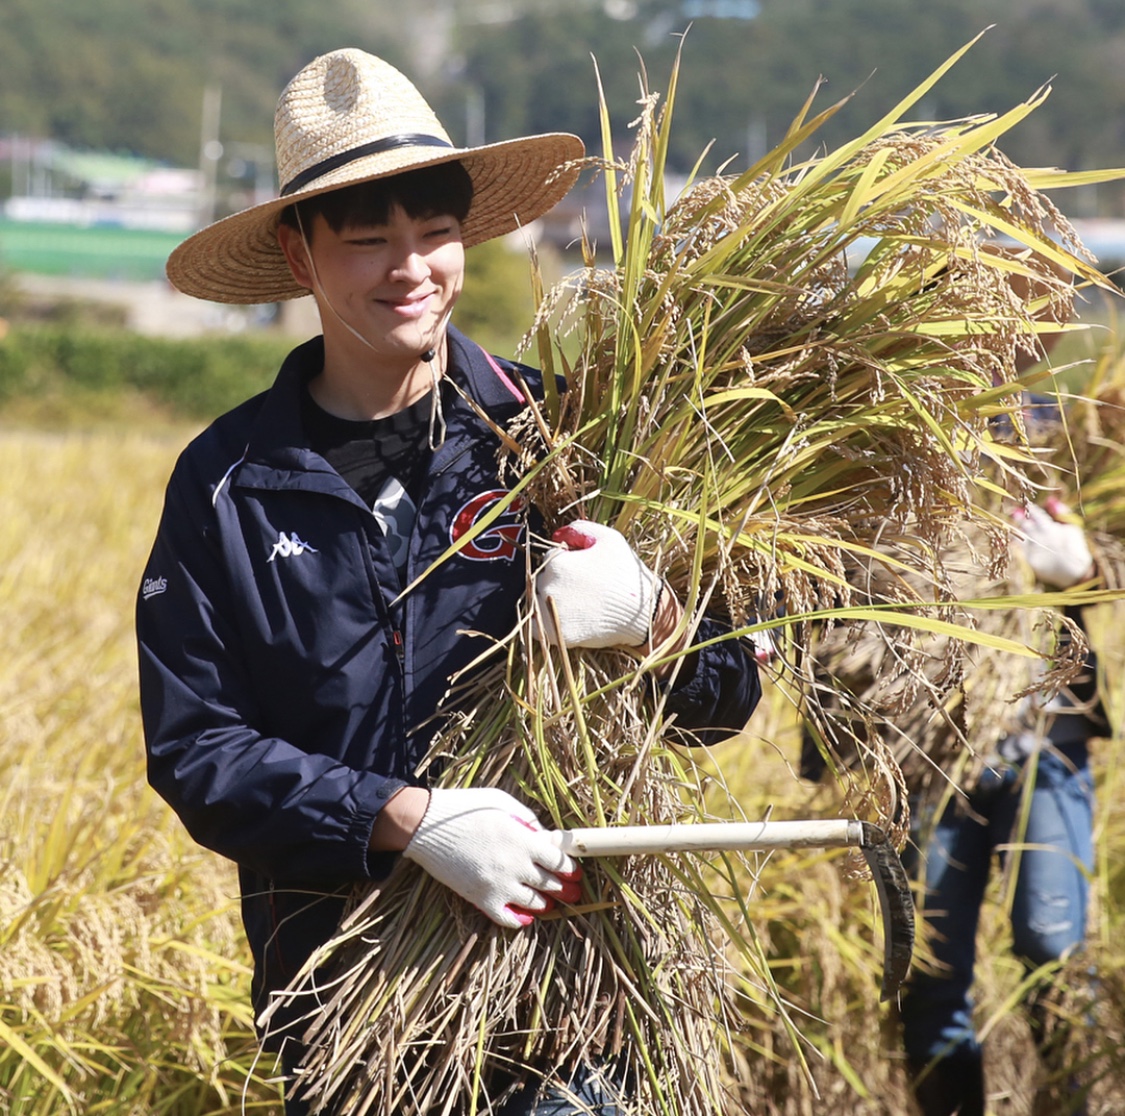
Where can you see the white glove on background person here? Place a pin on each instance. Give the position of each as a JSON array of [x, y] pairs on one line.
[[765, 650], [489, 848], [1057, 553], [603, 593]]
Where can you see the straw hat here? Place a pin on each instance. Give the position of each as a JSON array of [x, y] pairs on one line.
[[350, 117]]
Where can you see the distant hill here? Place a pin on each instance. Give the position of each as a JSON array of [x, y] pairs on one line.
[[129, 75]]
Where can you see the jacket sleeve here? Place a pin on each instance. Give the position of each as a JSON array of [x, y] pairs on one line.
[[717, 688], [252, 797]]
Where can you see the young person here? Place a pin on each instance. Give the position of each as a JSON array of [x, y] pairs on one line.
[[290, 663]]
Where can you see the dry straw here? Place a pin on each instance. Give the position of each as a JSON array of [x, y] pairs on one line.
[[784, 376]]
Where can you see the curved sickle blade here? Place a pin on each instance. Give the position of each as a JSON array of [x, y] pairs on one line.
[[895, 901], [896, 905]]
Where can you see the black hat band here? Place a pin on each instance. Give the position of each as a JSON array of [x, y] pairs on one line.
[[388, 143]]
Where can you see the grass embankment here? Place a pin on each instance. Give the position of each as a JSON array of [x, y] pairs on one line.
[[62, 376]]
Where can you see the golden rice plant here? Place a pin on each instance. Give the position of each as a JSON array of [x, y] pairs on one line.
[[779, 375], [124, 975]]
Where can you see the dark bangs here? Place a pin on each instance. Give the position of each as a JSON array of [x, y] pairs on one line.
[[444, 189]]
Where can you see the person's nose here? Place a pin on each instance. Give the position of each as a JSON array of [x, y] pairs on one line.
[[410, 264]]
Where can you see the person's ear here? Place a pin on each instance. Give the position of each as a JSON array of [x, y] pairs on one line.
[[296, 251]]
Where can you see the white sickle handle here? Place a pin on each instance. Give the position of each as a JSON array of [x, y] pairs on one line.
[[628, 840]]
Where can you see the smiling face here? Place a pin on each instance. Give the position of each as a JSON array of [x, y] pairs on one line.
[[384, 289]]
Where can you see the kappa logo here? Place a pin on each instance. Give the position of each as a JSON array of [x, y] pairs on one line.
[[290, 546], [501, 539]]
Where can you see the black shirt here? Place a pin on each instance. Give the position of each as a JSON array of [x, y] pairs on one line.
[[383, 459]]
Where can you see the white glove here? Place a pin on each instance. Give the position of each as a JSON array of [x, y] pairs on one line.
[[603, 593], [1056, 552], [765, 650], [489, 848]]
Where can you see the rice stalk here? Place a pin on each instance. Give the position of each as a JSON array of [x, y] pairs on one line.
[[783, 378]]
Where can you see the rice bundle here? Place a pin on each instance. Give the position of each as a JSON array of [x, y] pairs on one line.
[[784, 376]]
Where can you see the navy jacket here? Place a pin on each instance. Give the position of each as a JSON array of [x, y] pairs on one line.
[[282, 686]]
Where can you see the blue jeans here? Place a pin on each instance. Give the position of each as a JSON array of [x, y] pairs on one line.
[[1049, 902]]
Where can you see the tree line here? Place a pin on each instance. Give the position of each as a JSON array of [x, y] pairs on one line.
[[129, 75]]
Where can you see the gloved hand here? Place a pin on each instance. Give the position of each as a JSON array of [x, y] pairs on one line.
[[1057, 552], [603, 593], [489, 848], [765, 650]]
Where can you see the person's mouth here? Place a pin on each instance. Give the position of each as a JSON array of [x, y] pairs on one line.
[[410, 308]]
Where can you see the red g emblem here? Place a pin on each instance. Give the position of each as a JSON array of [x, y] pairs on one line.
[[499, 540]]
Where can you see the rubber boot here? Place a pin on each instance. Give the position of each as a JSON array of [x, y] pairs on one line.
[[951, 1086]]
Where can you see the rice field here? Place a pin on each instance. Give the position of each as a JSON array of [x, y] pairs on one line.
[[123, 970], [123, 973]]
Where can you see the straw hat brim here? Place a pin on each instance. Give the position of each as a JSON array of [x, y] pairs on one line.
[[238, 259]]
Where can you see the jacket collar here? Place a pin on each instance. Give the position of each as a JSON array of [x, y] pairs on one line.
[[278, 438]]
